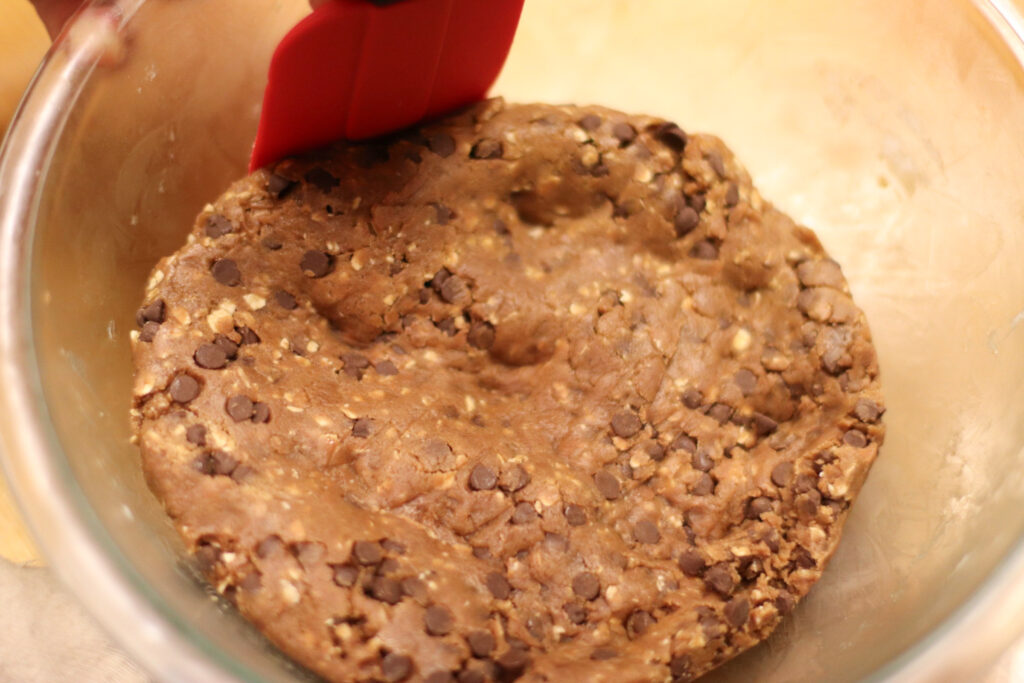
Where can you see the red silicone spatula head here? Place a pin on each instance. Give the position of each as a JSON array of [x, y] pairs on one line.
[[355, 69]]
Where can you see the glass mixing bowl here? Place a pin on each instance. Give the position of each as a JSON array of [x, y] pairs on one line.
[[895, 128]]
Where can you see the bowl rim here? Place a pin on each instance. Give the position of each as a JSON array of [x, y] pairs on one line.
[[85, 557]]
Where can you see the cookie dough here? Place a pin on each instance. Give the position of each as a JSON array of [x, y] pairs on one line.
[[537, 393]]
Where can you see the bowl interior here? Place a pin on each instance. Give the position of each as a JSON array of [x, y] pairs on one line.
[[894, 129]]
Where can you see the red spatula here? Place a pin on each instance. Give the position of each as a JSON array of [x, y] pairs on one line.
[[355, 69]]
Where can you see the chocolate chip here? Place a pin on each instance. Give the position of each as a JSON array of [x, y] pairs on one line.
[[705, 486], [367, 553], [393, 546], [523, 513], [720, 412], [717, 165], [448, 327], [704, 250], [672, 136], [355, 364], [395, 667], [440, 677], [321, 179], [362, 427], [482, 478], [514, 660], [785, 602], [514, 479], [855, 438], [225, 271], [271, 242], [154, 312], [481, 643], [148, 332], [655, 451], [443, 214], [285, 300], [345, 576], [454, 290], [498, 585], [868, 411], [604, 653], [607, 485], [316, 264], [757, 507], [719, 579], [488, 148], [805, 483], [692, 398], [586, 585], [701, 460], [472, 676], [626, 424], [646, 531], [782, 474], [692, 563], [480, 335], [685, 221], [414, 588], [196, 435], [737, 611], [441, 144], [575, 515], [575, 613], [697, 202], [746, 380], [183, 388], [229, 347], [269, 546], [251, 583], [808, 503], [260, 413], [386, 590], [217, 226], [638, 623], [438, 620], [763, 425], [215, 462], [239, 408], [590, 122], [279, 186], [679, 667], [624, 133], [211, 357], [732, 195]]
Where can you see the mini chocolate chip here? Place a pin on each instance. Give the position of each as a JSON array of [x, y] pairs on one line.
[[154, 312], [251, 583], [732, 195], [586, 585], [523, 513], [395, 667], [225, 271], [269, 546], [701, 460], [440, 677], [692, 398], [808, 503], [684, 442], [720, 412], [679, 667], [367, 553], [271, 242], [316, 264], [575, 613], [441, 144], [481, 643], [604, 653], [386, 589], [646, 531], [247, 335], [782, 474], [211, 357], [454, 290], [719, 579], [764, 425], [514, 479], [345, 576], [685, 221], [448, 327], [672, 136], [285, 300], [239, 407], [183, 388], [805, 483], [230, 348], [607, 485], [196, 435], [472, 676], [855, 438], [692, 563], [148, 332], [414, 588], [279, 186], [705, 486], [498, 585], [717, 165], [487, 148], [438, 620], [785, 602], [626, 424], [443, 214], [260, 413], [737, 611], [575, 515], [697, 202], [321, 179], [514, 660], [590, 122], [362, 427], [482, 478], [217, 226], [215, 462], [704, 250], [757, 507], [355, 364], [638, 623], [746, 380], [480, 335], [867, 410], [624, 133], [393, 546]]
